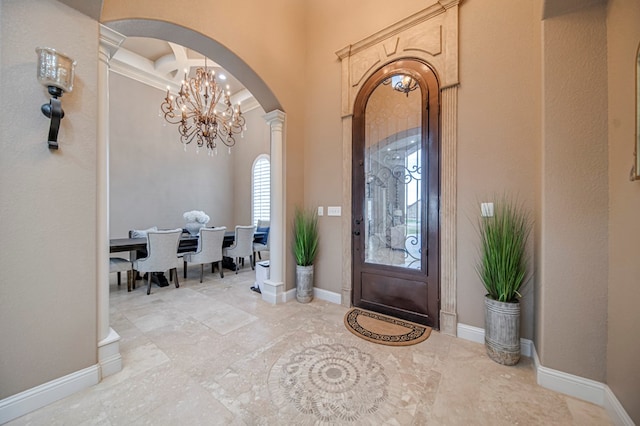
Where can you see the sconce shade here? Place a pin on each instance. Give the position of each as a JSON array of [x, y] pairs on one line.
[[55, 69]]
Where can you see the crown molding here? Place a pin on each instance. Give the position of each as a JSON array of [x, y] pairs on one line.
[[135, 67]]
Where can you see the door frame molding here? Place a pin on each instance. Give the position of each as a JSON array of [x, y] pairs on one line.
[[430, 35]]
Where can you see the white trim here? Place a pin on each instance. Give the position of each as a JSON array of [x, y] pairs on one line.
[[267, 157], [526, 347], [32, 399], [578, 387], [327, 295], [569, 384], [272, 292], [476, 334], [318, 293], [290, 295], [618, 414], [142, 70], [468, 332], [110, 365], [109, 356]]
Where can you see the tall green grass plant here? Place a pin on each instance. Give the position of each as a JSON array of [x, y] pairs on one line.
[[503, 261], [305, 236]]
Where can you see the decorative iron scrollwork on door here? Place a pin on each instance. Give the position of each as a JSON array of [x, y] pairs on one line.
[[393, 180]]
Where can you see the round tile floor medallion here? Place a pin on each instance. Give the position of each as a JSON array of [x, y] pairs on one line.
[[329, 381]]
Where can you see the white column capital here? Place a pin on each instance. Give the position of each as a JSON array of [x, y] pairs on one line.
[[110, 41], [275, 117]]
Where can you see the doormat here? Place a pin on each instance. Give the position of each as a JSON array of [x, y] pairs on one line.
[[383, 329]]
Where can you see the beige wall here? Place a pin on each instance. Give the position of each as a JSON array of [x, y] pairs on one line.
[[623, 348], [153, 180], [573, 265], [498, 131], [256, 141], [532, 120], [47, 201]]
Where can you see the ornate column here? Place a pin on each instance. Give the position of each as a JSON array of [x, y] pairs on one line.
[[108, 340], [347, 287], [448, 209], [273, 288]]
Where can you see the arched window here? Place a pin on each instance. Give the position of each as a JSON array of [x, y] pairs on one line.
[[261, 189]]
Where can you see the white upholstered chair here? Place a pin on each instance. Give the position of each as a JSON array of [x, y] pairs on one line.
[[209, 249], [263, 225], [242, 245], [162, 254], [119, 265]]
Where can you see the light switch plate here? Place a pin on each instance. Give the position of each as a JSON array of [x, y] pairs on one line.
[[486, 209], [320, 211], [334, 211]]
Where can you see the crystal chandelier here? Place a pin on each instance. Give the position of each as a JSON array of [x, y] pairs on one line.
[[203, 112], [402, 83]]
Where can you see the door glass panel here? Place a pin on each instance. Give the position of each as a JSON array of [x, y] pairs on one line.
[[393, 174]]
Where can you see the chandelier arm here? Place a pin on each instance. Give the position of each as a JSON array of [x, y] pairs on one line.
[[193, 98], [203, 112], [171, 117], [228, 140], [211, 108], [190, 102]]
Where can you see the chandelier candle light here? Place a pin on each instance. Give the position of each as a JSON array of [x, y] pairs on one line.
[[203, 112]]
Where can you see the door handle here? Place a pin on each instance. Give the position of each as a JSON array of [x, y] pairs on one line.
[[356, 233]]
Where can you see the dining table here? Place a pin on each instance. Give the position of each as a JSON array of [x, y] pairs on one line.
[[187, 242]]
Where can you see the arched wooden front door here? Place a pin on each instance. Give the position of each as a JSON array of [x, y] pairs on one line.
[[396, 193]]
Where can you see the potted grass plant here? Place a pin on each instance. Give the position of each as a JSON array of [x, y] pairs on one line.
[[305, 249], [502, 268]]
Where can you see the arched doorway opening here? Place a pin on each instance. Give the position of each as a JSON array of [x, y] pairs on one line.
[[110, 38], [396, 192]]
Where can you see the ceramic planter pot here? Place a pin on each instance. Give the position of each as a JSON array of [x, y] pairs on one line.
[[502, 331]]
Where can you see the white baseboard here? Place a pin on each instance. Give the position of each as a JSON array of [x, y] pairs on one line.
[[469, 332], [109, 356], [318, 293], [290, 295], [578, 387], [327, 295], [617, 412], [40, 396], [110, 366], [272, 292], [569, 384], [586, 389], [476, 334]]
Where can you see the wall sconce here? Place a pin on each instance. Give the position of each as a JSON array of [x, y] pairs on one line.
[[55, 71]]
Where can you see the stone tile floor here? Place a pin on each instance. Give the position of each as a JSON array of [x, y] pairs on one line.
[[216, 354]]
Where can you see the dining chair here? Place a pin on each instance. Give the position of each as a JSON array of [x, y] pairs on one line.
[[242, 245], [119, 265], [209, 250], [263, 244], [162, 255]]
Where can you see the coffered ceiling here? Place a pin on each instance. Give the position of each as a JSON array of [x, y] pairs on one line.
[[163, 64]]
